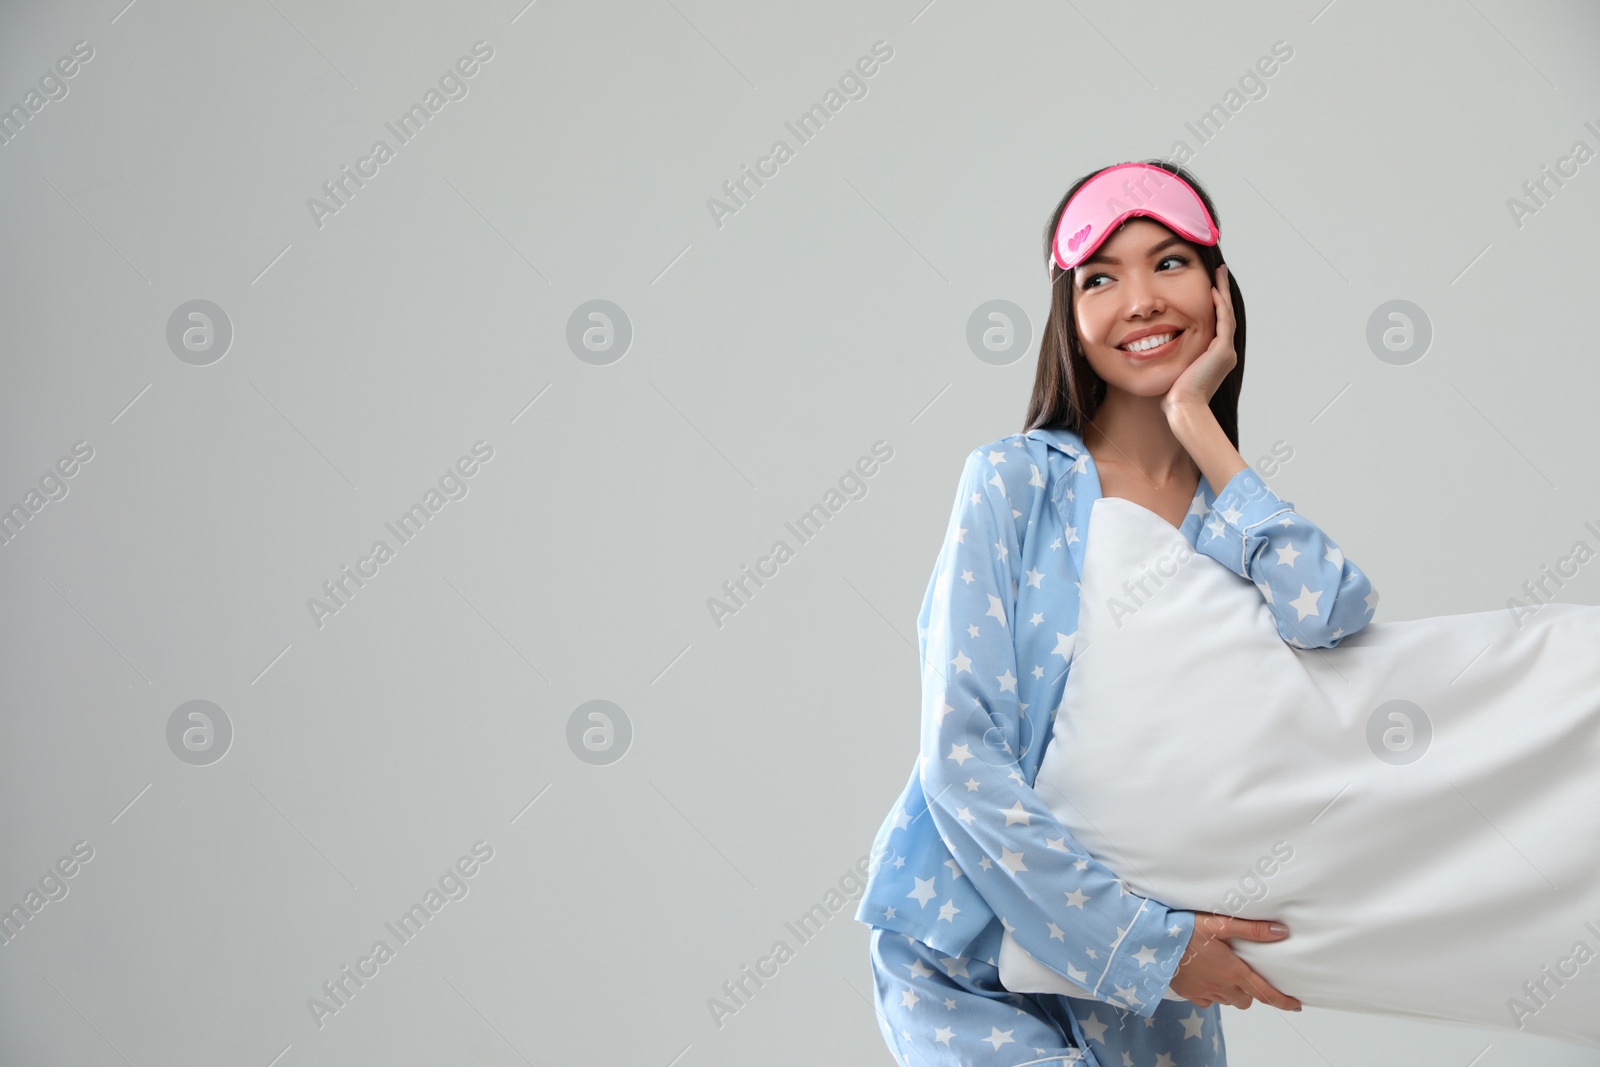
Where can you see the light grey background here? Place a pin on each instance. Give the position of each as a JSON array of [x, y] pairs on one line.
[[768, 354]]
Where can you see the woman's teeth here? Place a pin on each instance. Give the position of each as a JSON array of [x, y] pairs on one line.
[[1145, 344]]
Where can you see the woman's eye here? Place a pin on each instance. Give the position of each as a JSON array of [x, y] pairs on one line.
[[1088, 283]]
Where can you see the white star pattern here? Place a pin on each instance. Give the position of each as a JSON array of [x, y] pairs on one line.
[[997, 609], [1306, 602], [998, 1037]]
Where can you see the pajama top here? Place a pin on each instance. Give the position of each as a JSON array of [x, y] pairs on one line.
[[969, 844]]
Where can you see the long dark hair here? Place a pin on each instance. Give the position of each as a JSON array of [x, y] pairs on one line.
[[1066, 390]]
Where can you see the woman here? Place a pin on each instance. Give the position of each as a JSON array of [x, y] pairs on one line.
[[970, 851]]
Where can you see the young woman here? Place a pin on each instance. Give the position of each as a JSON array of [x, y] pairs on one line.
[[1135, 395]]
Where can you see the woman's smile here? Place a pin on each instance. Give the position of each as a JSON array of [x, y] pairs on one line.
[[1144, 355]]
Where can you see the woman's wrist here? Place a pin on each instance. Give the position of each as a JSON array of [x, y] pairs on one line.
[[1186, 414], [1196, 427]]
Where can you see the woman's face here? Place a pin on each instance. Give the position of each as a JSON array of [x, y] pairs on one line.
[[1144, 281]]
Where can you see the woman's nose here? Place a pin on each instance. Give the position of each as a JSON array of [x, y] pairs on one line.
[[1143, 301]]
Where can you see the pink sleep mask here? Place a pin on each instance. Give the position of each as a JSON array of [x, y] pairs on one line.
[[1119, 193]]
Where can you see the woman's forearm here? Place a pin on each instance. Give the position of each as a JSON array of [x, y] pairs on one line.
[[1197, 429]]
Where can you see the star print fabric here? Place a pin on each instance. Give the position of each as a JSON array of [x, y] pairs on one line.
[[970, 846], [943, 1011], [1253, 532]]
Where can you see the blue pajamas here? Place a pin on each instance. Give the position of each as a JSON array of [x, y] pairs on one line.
[[970, 845], [941, 1011]]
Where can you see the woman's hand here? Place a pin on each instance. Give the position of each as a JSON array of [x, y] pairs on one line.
[[1210, 971], [1199, 380]]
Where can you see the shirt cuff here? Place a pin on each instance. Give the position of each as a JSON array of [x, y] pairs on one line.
[[1148, 958], [1244, 504]]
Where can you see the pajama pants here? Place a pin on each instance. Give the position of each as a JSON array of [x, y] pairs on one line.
[[942, 1011]]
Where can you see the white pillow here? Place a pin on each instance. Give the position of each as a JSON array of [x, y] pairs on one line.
[[1437, 859]]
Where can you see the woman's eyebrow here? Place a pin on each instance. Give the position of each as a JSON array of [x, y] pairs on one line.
[[1100, 257]]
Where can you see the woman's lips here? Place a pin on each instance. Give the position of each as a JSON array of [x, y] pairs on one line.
[[1154, 353]]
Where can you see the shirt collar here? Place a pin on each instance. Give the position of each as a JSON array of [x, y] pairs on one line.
[[1060, 438], [1071, 445]]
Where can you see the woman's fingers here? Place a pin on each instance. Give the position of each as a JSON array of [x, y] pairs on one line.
[[1258, 987], [1249, 989]]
